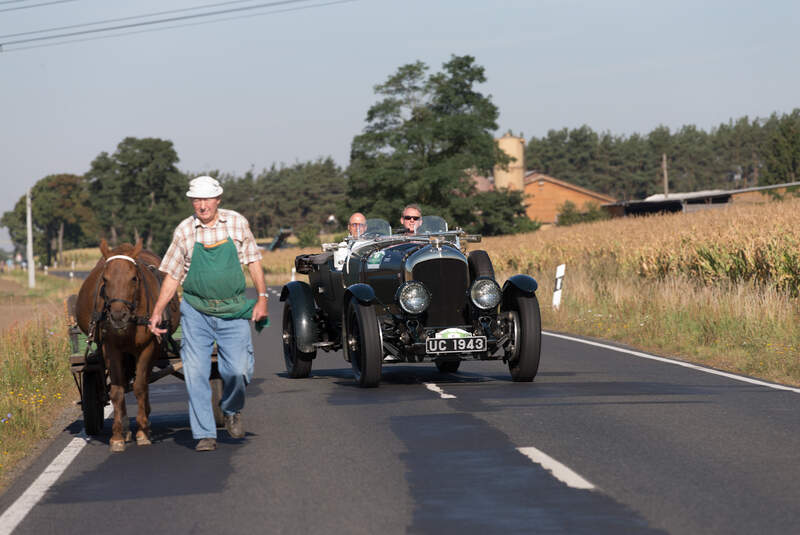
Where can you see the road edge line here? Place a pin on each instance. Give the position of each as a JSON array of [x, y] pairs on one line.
[[23, 505]]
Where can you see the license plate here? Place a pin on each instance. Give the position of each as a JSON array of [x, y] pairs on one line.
[[455, 345]]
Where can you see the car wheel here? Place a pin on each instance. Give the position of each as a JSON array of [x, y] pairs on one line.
[[448, 366], [480, 265], [525, 328], [362, 341], [298, 363]]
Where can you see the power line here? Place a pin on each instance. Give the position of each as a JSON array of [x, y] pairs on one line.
[[150, 22], [121, 34], [12, 2], [121, 19], [36, 5]]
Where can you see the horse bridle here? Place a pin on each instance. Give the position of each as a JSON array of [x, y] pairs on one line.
[[131, 305]]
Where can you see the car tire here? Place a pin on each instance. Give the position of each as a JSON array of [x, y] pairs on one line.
[[298, 363], [525, 363], [362, 341], [480, 265], [448, 366]]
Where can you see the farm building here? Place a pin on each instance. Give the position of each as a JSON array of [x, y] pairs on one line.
[[544, 195], [697, 200]]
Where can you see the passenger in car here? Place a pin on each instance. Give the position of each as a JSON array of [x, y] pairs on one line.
[[357, 225], [411, 218]]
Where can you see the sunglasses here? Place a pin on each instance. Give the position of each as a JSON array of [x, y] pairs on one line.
[[411, 217]]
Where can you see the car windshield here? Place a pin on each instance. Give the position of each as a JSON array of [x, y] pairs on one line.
[[432, 224], [377, 227]]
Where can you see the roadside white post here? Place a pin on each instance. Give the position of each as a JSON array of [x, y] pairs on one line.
[[45, 270], [558, 285], [294, 271], [72, 271], [31, 265]]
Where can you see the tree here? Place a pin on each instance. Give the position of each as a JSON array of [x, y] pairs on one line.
[[568, 214], [783, 150], [139, 192], [422, 140], [60, 214]]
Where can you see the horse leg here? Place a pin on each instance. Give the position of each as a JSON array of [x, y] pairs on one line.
[[141, 388], [120, 430]]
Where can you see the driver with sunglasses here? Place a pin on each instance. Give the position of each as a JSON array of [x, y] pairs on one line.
[[411, 218]]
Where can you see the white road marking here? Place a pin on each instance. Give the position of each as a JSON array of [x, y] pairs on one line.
[[559, 471], [433, 387], [678, 363], [18, 510]]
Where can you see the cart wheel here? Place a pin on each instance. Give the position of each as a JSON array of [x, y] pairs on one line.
[[92, 401], [216, 397]]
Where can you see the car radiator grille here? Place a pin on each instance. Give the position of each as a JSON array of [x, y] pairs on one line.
[[447, 280]]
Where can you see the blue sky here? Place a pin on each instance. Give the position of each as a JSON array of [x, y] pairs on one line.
[[283, 87]]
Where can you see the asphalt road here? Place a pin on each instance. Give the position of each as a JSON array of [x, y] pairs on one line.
[[668, 450]]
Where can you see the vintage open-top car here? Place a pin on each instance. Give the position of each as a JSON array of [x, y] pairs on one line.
[[392, 298]]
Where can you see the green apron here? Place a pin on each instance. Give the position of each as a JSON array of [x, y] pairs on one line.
[[215, 283]]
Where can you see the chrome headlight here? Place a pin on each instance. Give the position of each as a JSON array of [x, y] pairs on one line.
[[413, 297], [485, 294]]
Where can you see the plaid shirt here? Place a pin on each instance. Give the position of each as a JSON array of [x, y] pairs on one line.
[[178, 258]]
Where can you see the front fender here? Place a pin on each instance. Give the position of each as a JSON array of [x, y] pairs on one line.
[[363, 292], [525, 284], [301, 299]]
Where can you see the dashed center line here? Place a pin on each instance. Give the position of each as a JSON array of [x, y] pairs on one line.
[[560, 471], [433, 387]]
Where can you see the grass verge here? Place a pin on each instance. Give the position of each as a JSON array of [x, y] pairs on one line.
[[35, 384], [740, 327]]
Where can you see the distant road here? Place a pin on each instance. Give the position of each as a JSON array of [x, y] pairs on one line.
[[601, 442], [65, 274]]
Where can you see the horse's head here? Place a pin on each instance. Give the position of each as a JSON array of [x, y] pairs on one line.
[[121, 282]]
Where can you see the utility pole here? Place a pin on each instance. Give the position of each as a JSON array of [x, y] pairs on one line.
[[31, 273], [664, 172]]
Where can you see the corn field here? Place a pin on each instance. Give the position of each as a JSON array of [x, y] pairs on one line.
[[754, 243]]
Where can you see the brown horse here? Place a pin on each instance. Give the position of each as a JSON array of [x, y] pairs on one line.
[[114, 305]]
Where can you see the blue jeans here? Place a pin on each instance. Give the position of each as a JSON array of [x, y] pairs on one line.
[[234, 360]]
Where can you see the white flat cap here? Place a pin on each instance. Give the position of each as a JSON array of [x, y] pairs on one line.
[[204, 187]]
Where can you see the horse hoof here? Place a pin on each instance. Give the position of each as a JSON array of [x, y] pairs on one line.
[[117, 446], [142, 439]]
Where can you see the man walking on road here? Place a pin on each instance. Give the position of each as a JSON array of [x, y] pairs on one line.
[[206, 254]]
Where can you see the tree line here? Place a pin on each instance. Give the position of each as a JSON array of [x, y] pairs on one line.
[[740, 153], [424, 138]]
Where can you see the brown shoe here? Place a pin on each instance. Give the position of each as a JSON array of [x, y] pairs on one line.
[[234, 425], [206, 444]]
